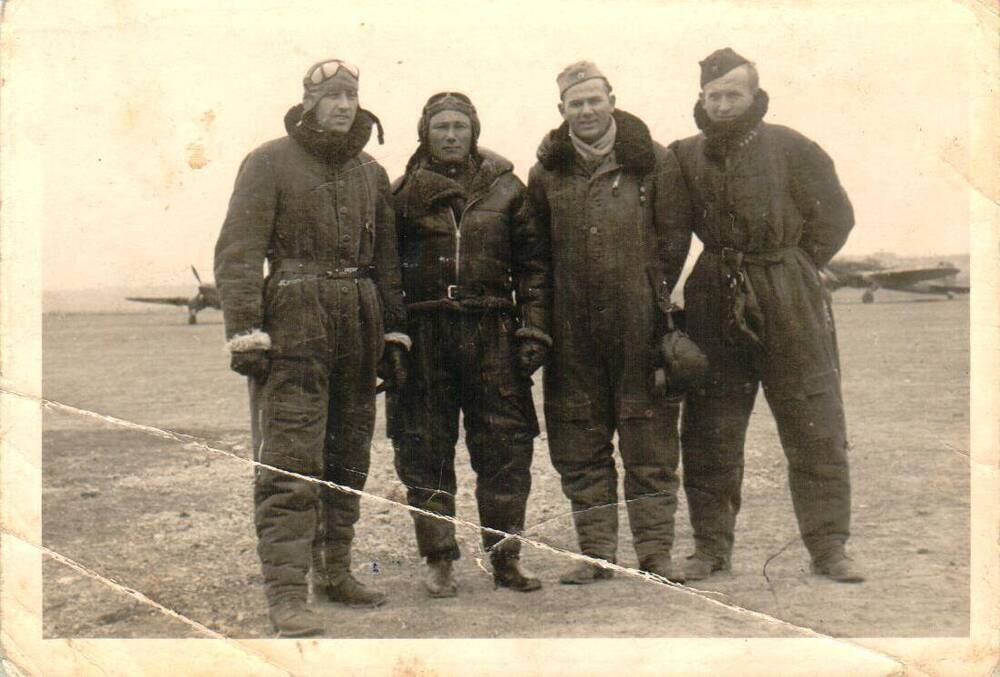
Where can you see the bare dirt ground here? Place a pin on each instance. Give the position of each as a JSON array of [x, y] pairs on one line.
[[174, 521]]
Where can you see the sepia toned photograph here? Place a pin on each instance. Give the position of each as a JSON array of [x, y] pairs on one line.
[[510, 321]]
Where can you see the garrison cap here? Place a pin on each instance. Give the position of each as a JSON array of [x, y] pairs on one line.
[[718, 63], [578, 72]]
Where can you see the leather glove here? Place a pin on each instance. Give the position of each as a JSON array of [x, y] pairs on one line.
[[253, 363], [392, 367], [531, 355]]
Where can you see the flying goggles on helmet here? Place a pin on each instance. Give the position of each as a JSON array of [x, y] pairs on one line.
[[325, 70]]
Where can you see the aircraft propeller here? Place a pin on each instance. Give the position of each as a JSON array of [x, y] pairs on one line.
[[207, 296]]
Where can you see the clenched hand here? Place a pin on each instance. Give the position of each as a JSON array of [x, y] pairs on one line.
[[253, 363]]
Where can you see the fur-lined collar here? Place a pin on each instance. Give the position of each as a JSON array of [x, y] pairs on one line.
[[633, 146], [723, 138], [423, 189], [331, 147]]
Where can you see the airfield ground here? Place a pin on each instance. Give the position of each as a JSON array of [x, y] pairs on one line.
[[174, 522]]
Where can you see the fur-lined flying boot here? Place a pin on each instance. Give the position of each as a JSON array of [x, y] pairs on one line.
[[440, 581], [508, 573], [292, 618], [331, 580], [352, 592], [584, 573], [840, 568], [700, 566], [664, 568]]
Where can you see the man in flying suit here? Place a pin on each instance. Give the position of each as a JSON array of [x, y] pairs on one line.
[[311, 334], [476, 277], [599, 190], [766, 203]]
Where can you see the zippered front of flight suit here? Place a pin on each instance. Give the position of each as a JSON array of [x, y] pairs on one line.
[[457, 223]]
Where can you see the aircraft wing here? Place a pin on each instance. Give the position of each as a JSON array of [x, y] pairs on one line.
[[164, 300], [950, 288], [895, 279]]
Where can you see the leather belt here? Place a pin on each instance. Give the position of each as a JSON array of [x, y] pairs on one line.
[[465, 297], [745, 321], [734, 258], [318, 268]]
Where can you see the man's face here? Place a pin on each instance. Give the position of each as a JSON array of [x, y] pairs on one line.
[[450, 136], [728, 97], [587, 107], [335, 112]]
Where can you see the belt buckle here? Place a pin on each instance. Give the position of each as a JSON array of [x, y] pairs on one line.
[[452, 289], [732, 258]]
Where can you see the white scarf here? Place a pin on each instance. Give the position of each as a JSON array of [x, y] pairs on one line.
[[594, 153]]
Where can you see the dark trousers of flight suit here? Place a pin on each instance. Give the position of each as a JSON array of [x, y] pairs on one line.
[[600, 377], [806, 404], [315, 416], [464, 362], [581, 442], [714, 433]]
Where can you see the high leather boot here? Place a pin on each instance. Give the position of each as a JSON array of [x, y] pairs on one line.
[[331, 580], [352, 592], [508, 573]]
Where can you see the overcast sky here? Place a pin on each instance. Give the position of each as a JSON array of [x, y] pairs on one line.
[[141, 116]]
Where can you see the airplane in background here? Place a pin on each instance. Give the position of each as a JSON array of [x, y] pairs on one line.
[[207, 297], [869, 274]]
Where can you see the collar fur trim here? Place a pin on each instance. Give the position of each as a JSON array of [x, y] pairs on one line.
[[329, 146], [723, 138], [422, 189], [633, 146]]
